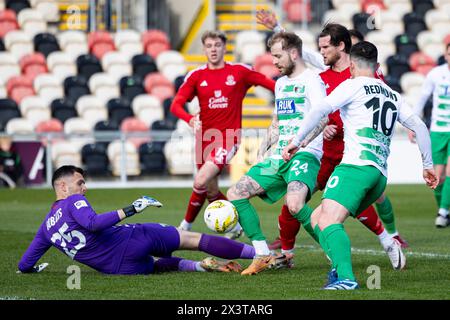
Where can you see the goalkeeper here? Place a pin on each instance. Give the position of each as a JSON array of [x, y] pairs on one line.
[[73, 227]]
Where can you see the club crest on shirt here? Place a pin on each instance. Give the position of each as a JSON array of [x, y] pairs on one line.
[[217, 93], [230, 80], [80, 204]]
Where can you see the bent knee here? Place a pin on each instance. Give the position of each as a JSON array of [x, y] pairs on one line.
[[295, 207]]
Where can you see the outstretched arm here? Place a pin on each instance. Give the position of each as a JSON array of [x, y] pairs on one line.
[[35, 251], [270, 138]]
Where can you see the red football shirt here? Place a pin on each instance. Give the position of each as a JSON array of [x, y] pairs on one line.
[[220, 93], [334, 149]]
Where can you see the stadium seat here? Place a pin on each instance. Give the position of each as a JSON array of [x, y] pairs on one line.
[[421, 7], [406, 45], [171, 64], [134, 125], [397, 65], [263, 64], [19, 87], [179, 153], [52, 125], [65, 153], [2, 45], [19, 126], [94, 159], [297, 11], [103, 86], [391, 23], [131, 86], [119, 109], [421, 62], [36, 115], [17, 5], [87, 65], [77, 126], [106, 125], [132, 165], [8, 22], [100, 43], [117, 65], [249, 45], [61, 64], [63, 109], [128, 42], [48, 87], [372, 6], [426, 37], [31, 21], [436, 16], [411, 82], [151, 156], [48, 8], [169, 116], [162, 125], [46, 43], [158, 85], [414, 24], [308, 38], [3, 93], [147, 108], [178, 82], [73, 42], [31, 102], [400, 7], [340, 17], [434, 50], [441, 60], [155, 42], [8, 111], [143, 64], [393, 82], [363, 23], [91, 108], [9, 66], [75, 87], [19, 43], [33, 64]]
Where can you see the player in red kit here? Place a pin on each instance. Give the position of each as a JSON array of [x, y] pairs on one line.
[[334, 44], [220, 87]]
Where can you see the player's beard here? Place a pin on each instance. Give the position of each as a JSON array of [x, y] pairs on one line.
[[333, 59], [286, 71]]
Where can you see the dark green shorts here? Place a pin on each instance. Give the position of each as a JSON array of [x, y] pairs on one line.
[[273, 175], [355, 187]]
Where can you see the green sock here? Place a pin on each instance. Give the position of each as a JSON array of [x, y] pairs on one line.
[[445, 200], [323, 244], [386, 214], [304, 216], [248, 219], [438, 194], [339, 243]]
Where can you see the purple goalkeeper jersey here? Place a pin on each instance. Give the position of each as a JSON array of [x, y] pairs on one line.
[[73, 227]]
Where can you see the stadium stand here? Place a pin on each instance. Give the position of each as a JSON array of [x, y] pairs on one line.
[[87, 65], [63, 109], [8, 111], [151, 157], [147, 108], [131, 86], [75, 87], [114, 153], [119, 109], [45, 43], [19, 126], [143, 64], [158, 85], [17, 5], [94, 159]]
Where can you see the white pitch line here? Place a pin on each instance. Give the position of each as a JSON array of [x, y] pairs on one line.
[[381, 253]]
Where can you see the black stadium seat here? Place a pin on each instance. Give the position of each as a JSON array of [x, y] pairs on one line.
[[87, 65], [94, 159], [161, 125], [45, 43], [441, 60], [360, 23], [75, 87], [2, 45], [105, 125], [143, 64], [169, 116], [406, 45], [151, 157], [397, 65], [63, 109], [414, 24], [119, 109], [422, 6], [178, 82], [17, 5], [8, 111], [131, 86], [393, 82]]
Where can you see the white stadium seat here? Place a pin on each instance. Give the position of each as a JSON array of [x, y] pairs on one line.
[[116, 64], [426, 37], [128, 42], [249, 45], [147, 108], [31, 21], [9, 67], [411, 82], [48, 87], [73, 42], [19, 126], [32, 102], [103, 86], [61, 64], [92, 109], [131, 162], [48, 8], [19, 43], [171, 64], [65, 153]]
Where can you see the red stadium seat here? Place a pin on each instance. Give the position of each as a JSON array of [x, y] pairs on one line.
[[154, 35], [101, 48], [421, 62], [294, 10], [8, 22], [99, 37], [33, 64], [132, 124], [154, 48], [52, 125], [159, 86], [370, 6], [19, 87], [264, 65]]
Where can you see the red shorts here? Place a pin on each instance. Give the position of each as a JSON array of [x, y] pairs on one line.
[[327, 166], [218, 153]]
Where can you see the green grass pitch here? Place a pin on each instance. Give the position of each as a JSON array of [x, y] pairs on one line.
[[427, 275]]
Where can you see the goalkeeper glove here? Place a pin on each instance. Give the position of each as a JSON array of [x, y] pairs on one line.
[[36, 269], [140, 204]]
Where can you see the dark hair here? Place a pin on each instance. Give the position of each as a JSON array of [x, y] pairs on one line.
[[355, 33], [289, 40], [64, 171], [338, 33], [213, 35], [365, 52]]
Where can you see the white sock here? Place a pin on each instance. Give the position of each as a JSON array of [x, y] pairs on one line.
[[198, 267], [184, 225], [385, 239], [393, 234], [443, 212], [261, 247], [290, 251], [236, 228]]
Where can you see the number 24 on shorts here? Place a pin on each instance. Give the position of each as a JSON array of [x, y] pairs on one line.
[[296, 167]]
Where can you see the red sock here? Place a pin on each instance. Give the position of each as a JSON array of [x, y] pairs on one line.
[[219, 196], [289, 227], [196, 201], [370, 219]]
